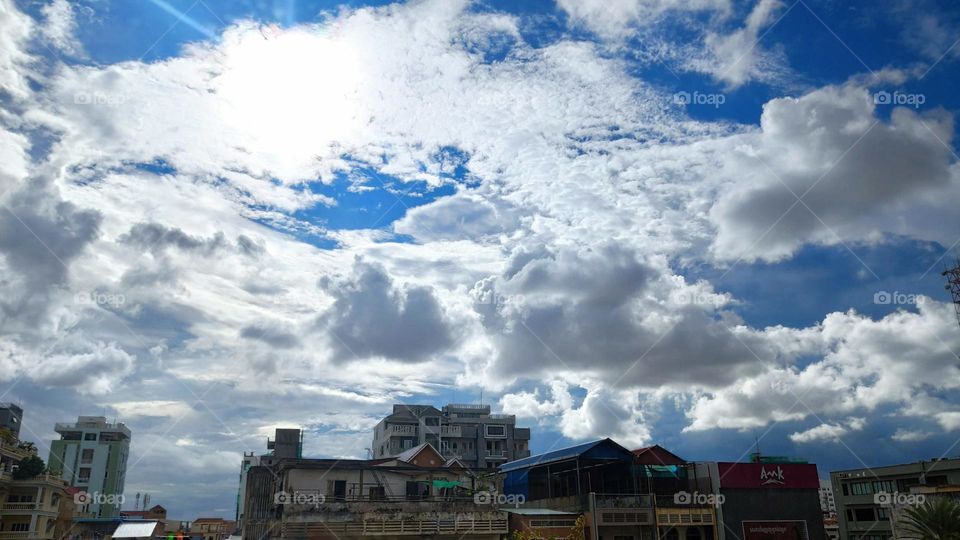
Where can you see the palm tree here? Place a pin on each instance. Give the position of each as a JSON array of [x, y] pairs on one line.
[[938, 519]]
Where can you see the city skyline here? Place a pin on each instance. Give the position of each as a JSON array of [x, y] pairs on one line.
[[714, 226]]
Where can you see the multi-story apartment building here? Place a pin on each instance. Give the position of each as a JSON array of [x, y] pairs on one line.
[[286, 443], [829, 507], [31, 508], [92, 455], [867, 499], [419, 494], [11, 415], [470, 433]]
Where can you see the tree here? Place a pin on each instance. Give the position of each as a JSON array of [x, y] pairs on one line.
[[7, 436], [938, 519], [29, 467]]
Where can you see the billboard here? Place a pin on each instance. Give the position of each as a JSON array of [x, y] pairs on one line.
[[774, 530], [768, 475]]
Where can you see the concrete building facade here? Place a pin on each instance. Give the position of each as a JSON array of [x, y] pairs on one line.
[[11, 416], [470, 433], [867, 499], [92, 455], [419, 495]]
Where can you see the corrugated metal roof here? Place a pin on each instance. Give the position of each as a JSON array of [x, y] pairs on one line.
[[558, 455], [135, 529]]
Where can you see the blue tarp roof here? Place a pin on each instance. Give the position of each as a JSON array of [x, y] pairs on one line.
[[570, 453]]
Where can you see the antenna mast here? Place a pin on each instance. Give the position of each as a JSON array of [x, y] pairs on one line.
[[953, 285]]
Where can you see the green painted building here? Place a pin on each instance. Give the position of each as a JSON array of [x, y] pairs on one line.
[[92, 455]]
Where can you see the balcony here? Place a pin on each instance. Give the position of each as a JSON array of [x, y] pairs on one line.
[[455, 525], [450, 431], [26, 535], [401, 429], [496, 454], [19, 506]]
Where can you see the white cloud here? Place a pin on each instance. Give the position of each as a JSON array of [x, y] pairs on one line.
[[612, 19], [738, 58], [828, 432], [59, 27]]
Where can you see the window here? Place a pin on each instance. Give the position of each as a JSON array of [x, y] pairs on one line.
[[87, 455], [861, 488], [431, 421], [939, 480], [90, 436], [84, 474], [863, 514], [884, 486], [378, 493], [407, 443], [883, 513], [552, 523], [496, 431], [846, 490], [19, 527]]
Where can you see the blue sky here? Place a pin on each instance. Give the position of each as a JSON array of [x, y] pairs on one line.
[[698, 224]]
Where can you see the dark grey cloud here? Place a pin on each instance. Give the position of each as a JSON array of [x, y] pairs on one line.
[[271, 335], [373, 317], [605, 311], [156, 237]]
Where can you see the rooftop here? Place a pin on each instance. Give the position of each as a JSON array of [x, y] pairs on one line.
[[604, 449]]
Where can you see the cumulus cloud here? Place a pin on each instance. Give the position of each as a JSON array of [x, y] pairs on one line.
[[825, 169], [828, 432], [372, 317]]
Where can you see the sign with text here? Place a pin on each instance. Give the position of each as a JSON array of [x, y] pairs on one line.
[[768, 475], [774, 530]]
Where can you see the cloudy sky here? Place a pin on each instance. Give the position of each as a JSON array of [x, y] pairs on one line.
[[694, 223]]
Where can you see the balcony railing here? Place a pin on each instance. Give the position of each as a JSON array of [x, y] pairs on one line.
[[450, 431], [24, 535], [20, 506], [395, 527], [496, 453]]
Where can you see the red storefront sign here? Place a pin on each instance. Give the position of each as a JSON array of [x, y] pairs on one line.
[[773, 530], [768, 475]]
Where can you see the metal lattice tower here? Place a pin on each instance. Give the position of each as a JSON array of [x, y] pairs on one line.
[[953, 285]]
